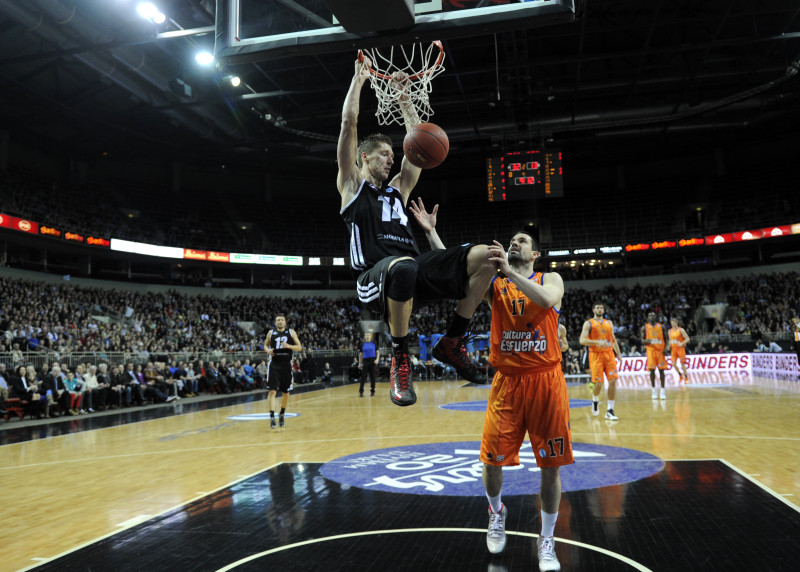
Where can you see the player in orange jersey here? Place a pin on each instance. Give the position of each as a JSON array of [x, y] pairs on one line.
[[678, 338], [598, 335], [529, 392], [653, 336]]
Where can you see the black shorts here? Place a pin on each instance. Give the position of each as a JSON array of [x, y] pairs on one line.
[[441, 275], [279, 376]]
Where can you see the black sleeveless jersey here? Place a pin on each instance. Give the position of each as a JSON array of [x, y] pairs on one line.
[[278, 342], [379, 226]]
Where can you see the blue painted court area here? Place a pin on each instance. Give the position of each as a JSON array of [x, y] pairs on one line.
[[455, 469], [258, 416], [480, 405]]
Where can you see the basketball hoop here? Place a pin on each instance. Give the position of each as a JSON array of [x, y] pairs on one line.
[[416, 63]]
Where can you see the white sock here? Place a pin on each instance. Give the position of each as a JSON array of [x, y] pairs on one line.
[[548, 523], [611, 404], [595, 398], [495, 503]]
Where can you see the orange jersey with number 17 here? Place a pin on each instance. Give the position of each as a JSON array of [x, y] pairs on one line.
[[524, 336]]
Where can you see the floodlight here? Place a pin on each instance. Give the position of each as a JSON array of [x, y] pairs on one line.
[[204, 58], [147, 10]]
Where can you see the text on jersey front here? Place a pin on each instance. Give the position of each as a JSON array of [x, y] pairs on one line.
[[523, 341]]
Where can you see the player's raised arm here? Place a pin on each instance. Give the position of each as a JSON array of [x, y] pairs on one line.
[[407, 178], [348, 179]]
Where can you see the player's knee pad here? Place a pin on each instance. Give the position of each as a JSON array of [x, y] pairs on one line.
[[401, 280]]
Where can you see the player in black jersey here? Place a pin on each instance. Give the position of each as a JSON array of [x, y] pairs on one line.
[[280, 344], [392, 276]]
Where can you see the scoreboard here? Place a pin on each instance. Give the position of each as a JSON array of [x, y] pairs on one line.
[[524, 175]]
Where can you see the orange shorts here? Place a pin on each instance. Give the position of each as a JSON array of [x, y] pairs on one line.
[[655, 358], [533, 403], [678, 353], [600, 363]]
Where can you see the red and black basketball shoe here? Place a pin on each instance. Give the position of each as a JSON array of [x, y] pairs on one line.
[[453, 351], [402, 392]]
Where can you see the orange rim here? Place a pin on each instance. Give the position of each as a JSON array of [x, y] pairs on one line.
[[417, 75]]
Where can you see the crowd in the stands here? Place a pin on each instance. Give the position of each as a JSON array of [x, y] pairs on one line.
[[64, 319], [61, 388], [58, 321]]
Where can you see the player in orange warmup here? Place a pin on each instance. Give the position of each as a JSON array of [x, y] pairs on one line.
[[653, 336], [598, 335], [678, 338]]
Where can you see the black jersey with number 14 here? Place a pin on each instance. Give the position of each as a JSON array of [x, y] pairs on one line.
[[379, 226]]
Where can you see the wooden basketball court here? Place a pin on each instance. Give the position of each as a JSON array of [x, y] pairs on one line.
[[206, 485]]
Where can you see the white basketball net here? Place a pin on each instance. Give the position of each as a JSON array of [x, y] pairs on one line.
[[420, 65]]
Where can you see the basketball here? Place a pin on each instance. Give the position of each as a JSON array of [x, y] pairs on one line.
[[426, 145]]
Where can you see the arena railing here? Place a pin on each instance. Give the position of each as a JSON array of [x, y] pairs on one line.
[[38, 358], [723, 337]]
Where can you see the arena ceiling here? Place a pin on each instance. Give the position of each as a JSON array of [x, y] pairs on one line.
[[89, 77]]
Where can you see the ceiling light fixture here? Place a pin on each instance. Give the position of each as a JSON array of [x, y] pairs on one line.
[[148, 11], [204, 58]]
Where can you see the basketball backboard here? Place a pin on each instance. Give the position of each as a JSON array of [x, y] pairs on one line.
[[259, 30]]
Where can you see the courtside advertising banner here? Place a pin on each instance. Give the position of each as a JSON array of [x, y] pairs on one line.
[[775, 363], [698, 362]]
